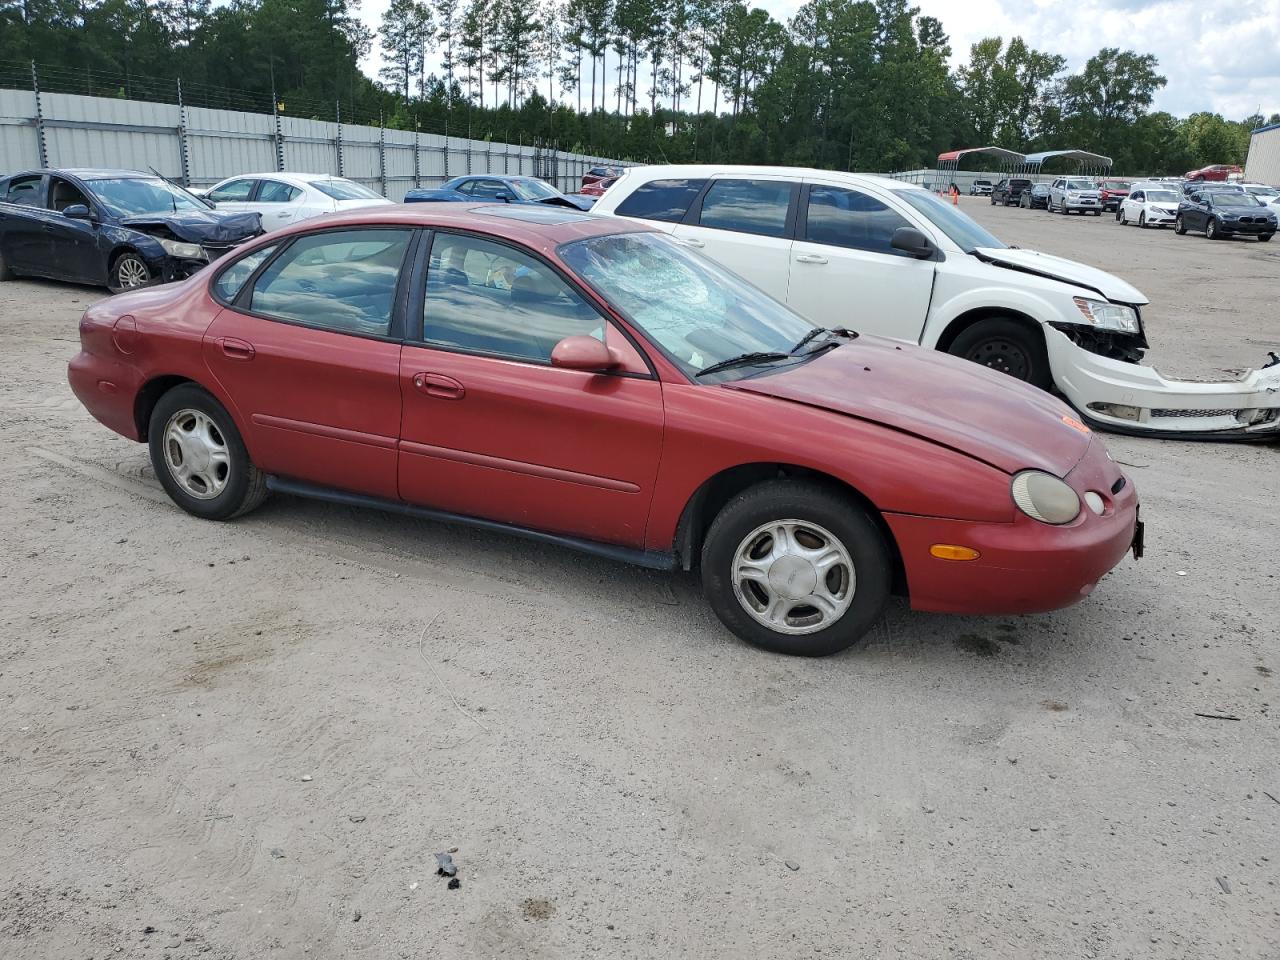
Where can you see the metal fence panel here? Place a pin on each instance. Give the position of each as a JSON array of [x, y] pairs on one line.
[[223, 143], [208, 145], [19, 149]]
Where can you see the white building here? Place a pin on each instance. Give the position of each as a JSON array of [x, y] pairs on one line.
[[1263, 165]]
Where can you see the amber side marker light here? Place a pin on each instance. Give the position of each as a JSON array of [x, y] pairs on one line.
[[950, 551]]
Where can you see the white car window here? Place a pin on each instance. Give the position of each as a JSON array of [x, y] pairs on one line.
[[234, 191]]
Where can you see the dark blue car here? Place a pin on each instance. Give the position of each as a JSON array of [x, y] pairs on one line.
[[499, 188], [115, 228]]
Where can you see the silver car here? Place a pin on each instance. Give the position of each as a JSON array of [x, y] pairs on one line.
[[1074, 193]]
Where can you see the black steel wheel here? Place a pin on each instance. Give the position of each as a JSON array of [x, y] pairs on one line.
[[1008, 346]]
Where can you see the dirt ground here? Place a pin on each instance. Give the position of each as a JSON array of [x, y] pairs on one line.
[[249, 739]]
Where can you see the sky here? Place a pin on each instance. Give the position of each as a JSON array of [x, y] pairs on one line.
[[1221, 56]]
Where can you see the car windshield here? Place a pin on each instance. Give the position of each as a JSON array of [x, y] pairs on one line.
[[534, 189], [344, 189], [697, 312], [1263, 191], [1162, 196], [1079, 185], [960, 227], [135, 196]]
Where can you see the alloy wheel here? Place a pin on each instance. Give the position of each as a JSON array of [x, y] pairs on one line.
[[196, 454], [793, 576], [131, 272]]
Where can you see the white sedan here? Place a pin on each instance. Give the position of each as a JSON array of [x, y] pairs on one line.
[[1150, 205], [284, 198]]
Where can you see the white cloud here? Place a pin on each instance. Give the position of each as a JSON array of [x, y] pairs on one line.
[[1221, 57]]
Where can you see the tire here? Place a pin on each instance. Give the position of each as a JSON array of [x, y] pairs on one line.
[[1008, 346], [1096, 213], [5, 272], [1179, 225], [1121, 218], [188, 426], [855, 588], [1142, 220], [128, 272], [1263, 237], [1211, 230]]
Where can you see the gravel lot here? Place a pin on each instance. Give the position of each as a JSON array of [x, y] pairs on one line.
[[249, 739]]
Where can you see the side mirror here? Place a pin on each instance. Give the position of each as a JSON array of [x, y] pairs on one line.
[[77, 211], [583, 353], [912, 242]]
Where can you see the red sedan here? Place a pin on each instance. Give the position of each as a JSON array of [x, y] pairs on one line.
[[593, 383], [1218, 172], [597, 187]]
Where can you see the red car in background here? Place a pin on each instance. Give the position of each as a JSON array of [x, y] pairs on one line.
[[598, 187], [596, 174], [592, 383], [1218, 172], [1112, 193]]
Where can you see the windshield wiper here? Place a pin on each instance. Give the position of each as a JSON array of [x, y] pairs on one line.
[[743, 360], [819, 331]]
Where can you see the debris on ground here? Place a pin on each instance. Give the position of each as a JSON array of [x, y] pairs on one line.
[[791, 865], [1222, 882], [356, 818], [445, 866], [454, 883], [277, 853], [355, 917], [1217, 716], [306, 778]]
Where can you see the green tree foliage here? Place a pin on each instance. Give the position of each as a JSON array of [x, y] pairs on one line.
[[855, 84]]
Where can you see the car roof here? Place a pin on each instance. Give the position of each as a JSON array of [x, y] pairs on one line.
[[705, 170], [89, 173], [288, 176], [543, 229]]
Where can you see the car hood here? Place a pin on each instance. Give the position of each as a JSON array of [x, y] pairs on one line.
[[1059, 268], [986, 415], [200, 226]]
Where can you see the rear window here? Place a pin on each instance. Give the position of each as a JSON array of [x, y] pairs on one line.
[[666, 200], [345, 190], [1019, 183]]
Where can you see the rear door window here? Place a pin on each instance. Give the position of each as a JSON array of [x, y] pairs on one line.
[[273, 191], [849, 218], [665, 200], [747, 206], [26, 190], [340, 280]]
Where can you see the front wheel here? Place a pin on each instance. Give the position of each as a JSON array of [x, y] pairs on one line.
[[1264, 237], [1211, 230], [1007, 346], [796, 568], [128, 272], [199, 457], [1142, 219]]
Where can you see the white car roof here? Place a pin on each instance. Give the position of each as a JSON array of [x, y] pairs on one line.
[[296, 179], [674, 171]]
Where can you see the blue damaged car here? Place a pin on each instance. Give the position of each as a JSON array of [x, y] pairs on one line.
[[115, 228]]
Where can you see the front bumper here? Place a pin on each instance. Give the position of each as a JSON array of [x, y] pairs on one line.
[[1236, 228], [1131, 398], [1025, 566], [1082, 203]]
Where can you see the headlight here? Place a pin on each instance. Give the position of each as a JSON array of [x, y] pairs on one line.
[[177, 248], [1108, 316], [1043, 497]]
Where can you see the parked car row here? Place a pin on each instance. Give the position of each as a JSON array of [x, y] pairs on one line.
[[583, 378]]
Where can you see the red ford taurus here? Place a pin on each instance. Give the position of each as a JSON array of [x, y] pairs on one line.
[[593, 383]]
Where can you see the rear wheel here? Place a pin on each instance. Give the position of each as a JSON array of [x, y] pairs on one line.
[[796, 568], [1007, 346], [199, 457], [128, 272], [1179, 225]]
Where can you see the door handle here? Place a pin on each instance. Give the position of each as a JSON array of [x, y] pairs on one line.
[[234, 349], [692, 242], [438, 385], [810, 258]]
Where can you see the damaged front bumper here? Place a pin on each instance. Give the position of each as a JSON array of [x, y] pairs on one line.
[[1125, 397]]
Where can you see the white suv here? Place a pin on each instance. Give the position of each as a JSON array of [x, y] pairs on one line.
[[888, 258], [1075, 193]]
